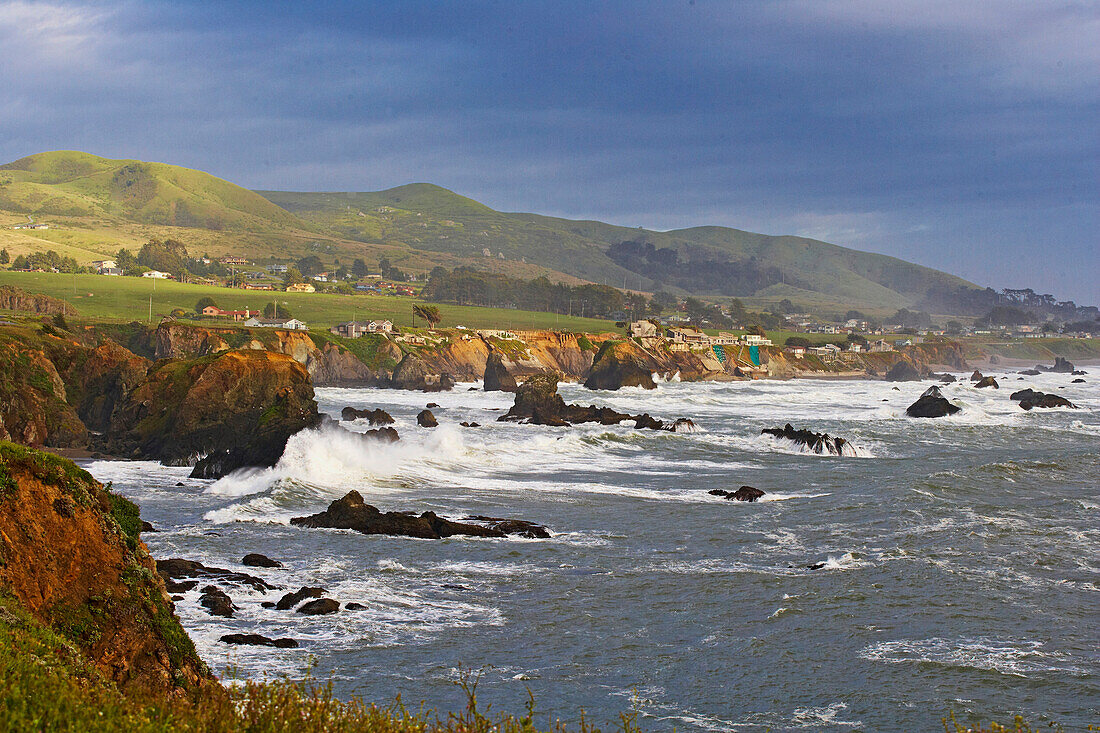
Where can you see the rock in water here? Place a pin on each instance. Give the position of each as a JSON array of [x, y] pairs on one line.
[[412, 373], [618, 364], [377, 416], [976, 376], [426, 419], [1062, 366], [290, 600], [932, 404], [987, 382], [1031, 372], [539, 392], [1029, 399], [516, 527], [351, 512], [497, 378], [814, 442], [216, 602], [256, 560], [1075, 381], [745, 493], [903, 371], [257, 640], [176, 568], [320, 607]]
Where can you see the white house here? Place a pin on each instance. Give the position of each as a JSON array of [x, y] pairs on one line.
[[355, 329], [643, 329], [156, 275], [292, 324], [752, 339]]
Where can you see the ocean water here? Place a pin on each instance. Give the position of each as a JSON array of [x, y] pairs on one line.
[[961, 558]]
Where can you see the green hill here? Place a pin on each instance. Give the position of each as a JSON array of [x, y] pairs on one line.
[[95, 205], [426, 217]]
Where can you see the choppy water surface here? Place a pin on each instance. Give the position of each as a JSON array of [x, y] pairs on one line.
[[961, 562]]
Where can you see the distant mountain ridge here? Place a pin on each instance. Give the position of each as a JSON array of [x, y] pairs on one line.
[[421, 225]]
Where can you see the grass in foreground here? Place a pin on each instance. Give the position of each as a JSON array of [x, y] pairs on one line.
[[46, 684]]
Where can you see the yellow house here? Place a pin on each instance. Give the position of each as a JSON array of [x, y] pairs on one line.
[[300, 288]]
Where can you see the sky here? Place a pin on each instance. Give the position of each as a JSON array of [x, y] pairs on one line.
[[960, 135]]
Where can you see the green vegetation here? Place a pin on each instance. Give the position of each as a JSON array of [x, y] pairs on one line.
[[94, 206], [46, 684], [128, 299]]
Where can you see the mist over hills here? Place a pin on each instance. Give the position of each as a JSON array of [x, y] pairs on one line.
[[87, 199]]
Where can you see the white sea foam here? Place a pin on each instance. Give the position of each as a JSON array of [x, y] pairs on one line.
[[1020, 658]]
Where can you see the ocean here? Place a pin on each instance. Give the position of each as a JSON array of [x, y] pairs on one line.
[[945, 565]]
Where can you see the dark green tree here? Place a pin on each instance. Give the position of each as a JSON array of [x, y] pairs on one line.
[[4, 257]]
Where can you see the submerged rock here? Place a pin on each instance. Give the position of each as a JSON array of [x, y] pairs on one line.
[[258, 640], [516, 527], [814, 442], [987, 382], [351, 512], [1031, 372], [745, 493], [354, 606], [256, 560], [932, 404], [290, 600], [1029, 399], [497, 378], [216, 602], [903, 371], [177, 568], [319, 607], [1077, 381], [426, 419], [377, 416]]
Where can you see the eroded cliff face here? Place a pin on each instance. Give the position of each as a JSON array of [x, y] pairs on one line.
[[33, 397], [71, 554], [17, 299], [249, 401]]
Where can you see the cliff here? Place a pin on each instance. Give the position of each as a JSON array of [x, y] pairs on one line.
[[239, 405], [71, 556], [17, 299]]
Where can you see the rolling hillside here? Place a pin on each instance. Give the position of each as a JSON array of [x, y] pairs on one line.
[[95, 205]]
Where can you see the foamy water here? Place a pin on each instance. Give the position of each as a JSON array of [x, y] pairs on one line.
[[938, 565]]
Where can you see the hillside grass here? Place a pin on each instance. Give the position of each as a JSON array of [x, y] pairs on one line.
[[128, 299]]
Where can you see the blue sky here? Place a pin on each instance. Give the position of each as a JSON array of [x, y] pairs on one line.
[[961, 135]]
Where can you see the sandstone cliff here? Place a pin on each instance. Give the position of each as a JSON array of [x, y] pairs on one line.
[[16, 299], [71, 554]]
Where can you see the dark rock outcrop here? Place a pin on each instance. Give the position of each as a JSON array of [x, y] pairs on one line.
[[517, 527], [987, 382], [470, 424], [351, 512], [177, 568], [1061, 366], [353, 606], [426, 419], [1031, 372], [216, 602], [319, 607], [258, 640], [377, 416], [290, 600], [497, 378], [618, 364], [819, 443], [932, 404], [1077, 381], [412, 373], [538, 403], [976, 376], [745, 493], [256, 560], [1030, 399], [903, 371]]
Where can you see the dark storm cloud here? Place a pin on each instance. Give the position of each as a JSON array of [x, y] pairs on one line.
[[959, 135]]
